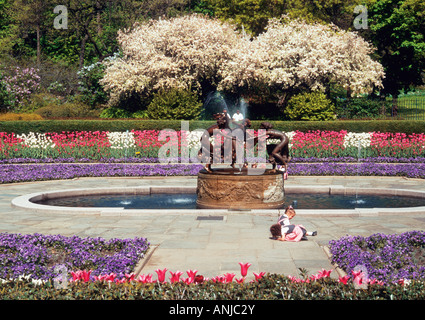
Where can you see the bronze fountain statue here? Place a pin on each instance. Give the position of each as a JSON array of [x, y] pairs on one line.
[[243, 187]]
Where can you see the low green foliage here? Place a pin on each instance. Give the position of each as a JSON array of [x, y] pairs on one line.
[[75, 109], [361, 108], [308, 106], [175, 104], [115, 113]]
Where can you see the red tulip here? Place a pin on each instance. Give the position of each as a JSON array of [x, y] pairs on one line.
[[199, 279], [344, 279], [110, 277], [258, 276], [244, 268], [161, 274]]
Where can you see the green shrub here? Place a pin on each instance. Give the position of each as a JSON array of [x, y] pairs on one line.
[[40, 100], [308, 106], [9, 116], [67, 110], [361, 108], [175, 104], [7, 99], [90, 87], [115, 113]]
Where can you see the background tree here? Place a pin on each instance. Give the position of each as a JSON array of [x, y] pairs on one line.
[[337, 12], [30, 15], [180, 53], [252, 15], [397, 29], [293, 56]]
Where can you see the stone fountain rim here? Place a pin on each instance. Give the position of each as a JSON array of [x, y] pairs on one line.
[[25, 202]]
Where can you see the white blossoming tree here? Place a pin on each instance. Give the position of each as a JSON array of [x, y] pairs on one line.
[[293, 56], [195, 52], [184, 52]]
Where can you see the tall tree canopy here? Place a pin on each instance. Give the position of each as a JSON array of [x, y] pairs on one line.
[[397, 29]]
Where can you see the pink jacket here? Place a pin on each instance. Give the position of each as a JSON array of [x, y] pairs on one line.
[[296, 235]]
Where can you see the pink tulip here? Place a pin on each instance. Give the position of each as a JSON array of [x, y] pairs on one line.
[[358, 277], [229, 277], [258, 276], [314, 277], [191, 273], [344, 279], [81, 275], [373, 281], [187, 280], [123, 280], [240, 280], [175, 276], [161, 274], [130, 277], [244, 268], [86, 275], [110, 277], [144, 278], [98, 278], [325, 273]]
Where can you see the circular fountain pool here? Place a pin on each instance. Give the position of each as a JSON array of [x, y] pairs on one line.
[[188, 201], [309, 200]]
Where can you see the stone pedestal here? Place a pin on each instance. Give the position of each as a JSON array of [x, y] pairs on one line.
[[234, 189]]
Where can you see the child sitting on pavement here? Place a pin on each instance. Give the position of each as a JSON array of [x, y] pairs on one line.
[[283, 230]]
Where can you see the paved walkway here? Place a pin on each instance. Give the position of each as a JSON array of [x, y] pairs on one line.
[[213, 247]]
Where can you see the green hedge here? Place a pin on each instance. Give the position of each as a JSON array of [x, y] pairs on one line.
[[405, 126]]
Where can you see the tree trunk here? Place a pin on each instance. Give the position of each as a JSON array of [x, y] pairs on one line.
[[99, 25], [38, 45], [82, 50]]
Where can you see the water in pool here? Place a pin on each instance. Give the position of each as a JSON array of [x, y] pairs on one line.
[[188, 201]]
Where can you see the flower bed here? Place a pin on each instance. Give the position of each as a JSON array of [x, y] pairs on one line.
[[10, 173], [34, 172], [38, 255], [387, 258], [384, 259], [169, 285], [98, 145], [65, 154]]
